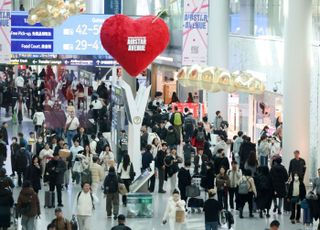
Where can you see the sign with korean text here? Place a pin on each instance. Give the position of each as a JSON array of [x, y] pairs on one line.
[[5, 27], [195, 32]]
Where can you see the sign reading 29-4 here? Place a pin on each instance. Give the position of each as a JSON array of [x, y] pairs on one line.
[[79, 35]]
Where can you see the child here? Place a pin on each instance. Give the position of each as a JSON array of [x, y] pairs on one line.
[[297, 192]]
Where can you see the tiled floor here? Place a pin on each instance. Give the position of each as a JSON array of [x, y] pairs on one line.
[[100, 220]]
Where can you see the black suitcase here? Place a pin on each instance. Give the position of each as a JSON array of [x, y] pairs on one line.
[[195, 203], [49, 199]]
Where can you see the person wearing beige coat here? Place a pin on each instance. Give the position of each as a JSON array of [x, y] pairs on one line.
[[97, 174]]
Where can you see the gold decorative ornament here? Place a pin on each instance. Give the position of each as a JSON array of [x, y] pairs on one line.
[[51, 13], [214, 79]]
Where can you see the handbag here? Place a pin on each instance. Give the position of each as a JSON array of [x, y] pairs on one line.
[[311, 196], [74, 223], [180, 216], [122, 189]]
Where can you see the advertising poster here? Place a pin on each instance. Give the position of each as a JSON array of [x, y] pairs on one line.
[[195, 32], [5, 27]]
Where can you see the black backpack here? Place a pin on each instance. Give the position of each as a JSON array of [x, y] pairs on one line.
[[200, 135], [188, 124], [21, 160], [111, 185]]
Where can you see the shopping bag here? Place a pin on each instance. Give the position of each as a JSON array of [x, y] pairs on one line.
[[180, 216], [122, 189]]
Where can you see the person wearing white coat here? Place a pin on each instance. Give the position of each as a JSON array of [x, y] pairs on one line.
[[174, 204]]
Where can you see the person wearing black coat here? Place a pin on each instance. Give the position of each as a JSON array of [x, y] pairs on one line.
[[221, 161], [4, 132], [147, 159], [22, 161], [33, 173], [159, 164], [55, 173], [184, 179], [208, 176], [82, 137], [3, 151], [172, 137], [162, 131], [14, 148], [246, 147], [264, 190], [279, 177], [6, 203], [296, 193]]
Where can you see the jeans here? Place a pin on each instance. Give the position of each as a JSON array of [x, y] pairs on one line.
[[52, 186], [223, 198], [84, 222], [173, 182], [161, 174], [211, 225], [28, 223], [21, 176], [233, 193], [263, 160], [295, 211], [70, 135]]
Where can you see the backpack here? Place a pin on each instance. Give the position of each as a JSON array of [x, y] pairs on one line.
[[21, 160], [188, 124], [243, 188], [25, 207], [112, 185], [200, 135], [93, 207], [86, 176], [177, 119]]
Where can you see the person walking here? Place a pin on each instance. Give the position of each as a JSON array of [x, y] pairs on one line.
[[38, 120], [184, 179], [97, 174], [159, 164], [298, 165], [236, 147], [296, 193], [60, 222], [211, 210], [263, 150], [177, 121], [172, 162], [33, 173], [22, 161], [6, 203], [3, 151], [84, 206], [264, 190], [251, 163], [234, 174], [223, 183], [71, 126], [4, 132], [111, 192], [28, 206], [14, 149], [247, 191], [175, 208], [147, 159], [245, 149], [279, 177], [55, 172], [121, 224], [126, 172], [217, 120]]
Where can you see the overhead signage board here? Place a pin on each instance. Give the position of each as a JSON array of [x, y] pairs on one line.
[[68, 62], [78, 35], [112, 7], [195, 32], [5, 27]]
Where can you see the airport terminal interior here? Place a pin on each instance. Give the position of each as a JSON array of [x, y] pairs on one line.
[[159, 114]]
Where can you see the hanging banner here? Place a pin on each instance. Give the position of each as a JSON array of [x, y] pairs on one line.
[[5, 28], [195, 32]]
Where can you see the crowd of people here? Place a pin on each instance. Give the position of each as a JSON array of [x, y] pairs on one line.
[[179, 147]]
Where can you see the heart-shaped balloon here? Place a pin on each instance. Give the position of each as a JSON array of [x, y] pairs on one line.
[[134, 43]]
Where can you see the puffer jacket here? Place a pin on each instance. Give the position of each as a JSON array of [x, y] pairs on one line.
[[97, 173], [28, 195]]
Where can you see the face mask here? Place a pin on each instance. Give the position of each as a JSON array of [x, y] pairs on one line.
[[296, 178]]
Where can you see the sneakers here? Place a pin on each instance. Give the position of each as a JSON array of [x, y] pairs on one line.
[[162, 191]]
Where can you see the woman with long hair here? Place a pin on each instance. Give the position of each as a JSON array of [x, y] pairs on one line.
[[190, 98], [20, 108], [126, 174], [107, 158], [33, 173], [252, 163]]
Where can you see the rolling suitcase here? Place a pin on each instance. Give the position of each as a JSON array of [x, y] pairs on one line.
[[49, 199]]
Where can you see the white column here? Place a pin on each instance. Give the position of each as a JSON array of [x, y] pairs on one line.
[[297, 59], [218, 51], [94, 7]]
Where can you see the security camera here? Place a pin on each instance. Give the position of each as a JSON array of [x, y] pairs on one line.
[[275, 88]]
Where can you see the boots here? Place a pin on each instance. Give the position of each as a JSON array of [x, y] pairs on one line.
[[241, 213]]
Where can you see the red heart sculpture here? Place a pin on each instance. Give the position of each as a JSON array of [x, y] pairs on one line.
[[148, 35]]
